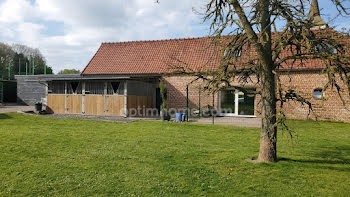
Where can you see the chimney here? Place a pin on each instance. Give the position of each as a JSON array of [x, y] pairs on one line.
[[315, 16]]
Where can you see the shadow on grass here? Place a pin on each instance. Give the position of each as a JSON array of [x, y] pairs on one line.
[[336, 154], [329, 157], [4, 116], [322, 164], [317, 161]]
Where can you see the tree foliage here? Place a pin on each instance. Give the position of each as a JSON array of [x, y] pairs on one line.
[[19, 59], [69, 71], [163, 93]]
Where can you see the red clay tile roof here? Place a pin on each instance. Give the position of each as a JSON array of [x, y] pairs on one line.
[[153, 57], [162, 56]]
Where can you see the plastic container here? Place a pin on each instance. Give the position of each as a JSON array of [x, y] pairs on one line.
[[178, 117]]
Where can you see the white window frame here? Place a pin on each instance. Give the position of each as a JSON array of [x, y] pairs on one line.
[[235, 114]]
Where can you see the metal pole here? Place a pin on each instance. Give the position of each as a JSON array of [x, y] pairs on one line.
[[44, 69], [26, 68], [9, 74], [187, 102], [33, 66], [199, 101], [212, 110], [19, 65]]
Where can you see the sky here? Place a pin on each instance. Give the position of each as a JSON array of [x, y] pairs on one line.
[[69, 32]]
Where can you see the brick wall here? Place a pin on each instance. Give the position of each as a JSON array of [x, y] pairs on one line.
[[304, 82], [331, 108], [177, 93]]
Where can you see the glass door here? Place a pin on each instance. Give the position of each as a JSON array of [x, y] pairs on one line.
[[237, 103], [227, 102], [246, 103]]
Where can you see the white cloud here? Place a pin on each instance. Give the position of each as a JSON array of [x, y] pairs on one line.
[[87, 23], [68, 32]]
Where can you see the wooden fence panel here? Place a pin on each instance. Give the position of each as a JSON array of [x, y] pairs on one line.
[[149, 102], [56, 103], [74, 104], [94, 105], [115, 105], [135, 102], [132, 102]]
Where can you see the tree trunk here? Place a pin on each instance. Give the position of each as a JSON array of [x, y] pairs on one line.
[[268, 136]]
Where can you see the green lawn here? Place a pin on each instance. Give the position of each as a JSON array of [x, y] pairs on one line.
[[55, 157]]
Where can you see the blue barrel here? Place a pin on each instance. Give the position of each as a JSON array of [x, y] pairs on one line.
[[178, 117]]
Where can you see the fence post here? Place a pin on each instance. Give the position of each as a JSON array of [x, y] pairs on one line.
[[83, 97], [104, 97], [9, 74], [65, 97], [187, 102], [1, 92], [19, 66], [33, 66], [199, 101], [125, 98], [212, 110]]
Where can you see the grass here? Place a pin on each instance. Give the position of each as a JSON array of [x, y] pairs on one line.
[[53, 157]]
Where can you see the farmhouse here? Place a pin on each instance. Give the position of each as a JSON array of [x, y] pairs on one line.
[[123, 79], [124, 76]]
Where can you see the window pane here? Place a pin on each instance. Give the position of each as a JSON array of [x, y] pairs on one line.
[[246, 103], [317, 94], [227, 101]]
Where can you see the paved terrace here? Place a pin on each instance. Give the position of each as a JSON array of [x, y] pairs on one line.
[[234, 121], [12, 107]]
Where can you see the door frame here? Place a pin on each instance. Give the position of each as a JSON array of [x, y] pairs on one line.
[[235, 114]]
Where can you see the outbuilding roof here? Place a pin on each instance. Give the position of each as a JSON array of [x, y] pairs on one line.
[[151, 57]]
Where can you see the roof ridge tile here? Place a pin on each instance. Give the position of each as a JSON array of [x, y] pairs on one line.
[[157, 40]]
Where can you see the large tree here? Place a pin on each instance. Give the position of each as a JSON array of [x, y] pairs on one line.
[[31, 57], [6, 59], [260, 38], [282, 34], [19, 59]]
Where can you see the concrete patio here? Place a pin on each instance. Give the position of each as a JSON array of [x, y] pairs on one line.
[[13, 107], [234, 121]]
